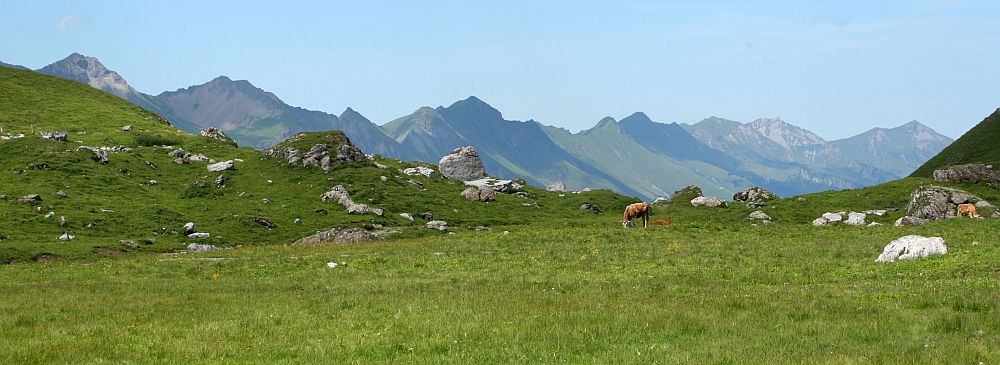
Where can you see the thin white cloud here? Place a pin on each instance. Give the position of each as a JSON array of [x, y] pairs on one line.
[[68, 22]]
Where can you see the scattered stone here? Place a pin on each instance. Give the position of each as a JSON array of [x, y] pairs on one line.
[[996, 214], [557, 186], [415, 183], [188, 228], [483, 229], [755, 205], [462, 164], [67, 237], [800, 199], [61, 194], [874, 224], [878, 212], [265, 201], [331, 265], [340, 195], [420, 170], [49, 215], [912, 247], [149, 241], [973, 173], [820, 221], [406, 216], [200, 235], [129, 243], [427, 216], [502, 186], [194, 248], [30, 198], [127, 128], [754, 194], [298, 220], [759, 215], [982, 204], [707, 201], [856, 219], [99, 154], [335, 235], [180, 161], [264, 222], [473, 193], [221, 166], [199, 158], [56, 136], [3, 197], [909, 221], [178, 153], [62, 220], [438, 225], [153, 182], [220, 181], [590, 207], [383, 178]]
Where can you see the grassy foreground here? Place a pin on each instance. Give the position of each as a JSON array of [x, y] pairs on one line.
[[702, 290]]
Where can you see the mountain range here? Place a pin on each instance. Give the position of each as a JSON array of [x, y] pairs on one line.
[[635, 156]]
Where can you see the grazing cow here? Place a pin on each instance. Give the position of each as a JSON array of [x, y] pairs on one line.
[[637, 210], [662, 222], [967, 209]]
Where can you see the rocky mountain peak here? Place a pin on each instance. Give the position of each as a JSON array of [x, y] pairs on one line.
[[785, 134], [90, 71], [473, 106]]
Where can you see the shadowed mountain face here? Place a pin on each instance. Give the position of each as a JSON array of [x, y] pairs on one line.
[[899, 150], [978, 145]]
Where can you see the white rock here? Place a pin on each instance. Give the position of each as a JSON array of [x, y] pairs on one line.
[[153, 182], [49, 215], [856, 219], [200, 235], [912, 247], [759, 215], [383, 178], [188, 228], [879, 212], [221, 166], [420, 170], [331, 265], [438, 225], [820, 221], [833, 217], [67, 237], [194, 247], [406, 216], [874, 224], [502, 186], [708, 201]]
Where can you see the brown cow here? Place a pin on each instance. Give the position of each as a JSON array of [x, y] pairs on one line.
[[637, 210], [967, 209]]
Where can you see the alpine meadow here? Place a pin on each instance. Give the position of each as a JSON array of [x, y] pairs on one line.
[[218, 223]]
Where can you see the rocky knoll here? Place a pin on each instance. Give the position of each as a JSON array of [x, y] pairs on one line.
[[973, 173], [937, 202], [754, 194], [340, 195], [462, 164], [323, 150]]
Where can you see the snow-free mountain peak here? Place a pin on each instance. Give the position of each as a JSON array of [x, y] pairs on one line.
[[90, 71]]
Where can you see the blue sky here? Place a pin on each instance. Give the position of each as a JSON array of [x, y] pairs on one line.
[[835, 67]]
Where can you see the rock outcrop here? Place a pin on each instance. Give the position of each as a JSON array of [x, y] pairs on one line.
[[195, 247], [912, 247], [221, 166], [759, 215], [557, 186], [335, 235], [438, 225], [687, 193], [500, 186], [56, 136], [340, 195], [420, 170], [937, 202], [973, 173], [856, 219], [101, 155], [462, 164], [754, 194], [217, 134]]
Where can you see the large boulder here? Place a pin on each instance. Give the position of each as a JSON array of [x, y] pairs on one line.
[[912, 247], [334, 235], [754, 194], [937, 202], [350, 153], [856, 219], [707, 201], [759, 215], [973, 173], [438, 225], [462, 164]]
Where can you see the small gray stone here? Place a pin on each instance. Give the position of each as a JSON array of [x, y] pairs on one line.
[[438, 225], [759, 215], [67, 237], [406, 216], [200, 235], [194, 247]]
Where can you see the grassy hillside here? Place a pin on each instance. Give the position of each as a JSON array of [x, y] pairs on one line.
[[978, 145], [711, 288], [105, 203]]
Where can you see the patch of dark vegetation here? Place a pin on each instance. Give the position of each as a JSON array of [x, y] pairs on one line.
[[150, 140]]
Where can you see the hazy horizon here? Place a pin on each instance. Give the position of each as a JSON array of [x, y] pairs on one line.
[[834, 69]]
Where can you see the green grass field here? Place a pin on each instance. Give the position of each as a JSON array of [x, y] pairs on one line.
[[706, 291]]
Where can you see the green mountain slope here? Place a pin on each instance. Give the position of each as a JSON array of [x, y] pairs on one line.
[[142, 193], [978, 145], [653, 174]]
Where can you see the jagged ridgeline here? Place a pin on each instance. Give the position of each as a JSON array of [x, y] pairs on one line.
[[116, 178]]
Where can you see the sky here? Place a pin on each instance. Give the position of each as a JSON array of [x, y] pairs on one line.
[[837, 68]]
